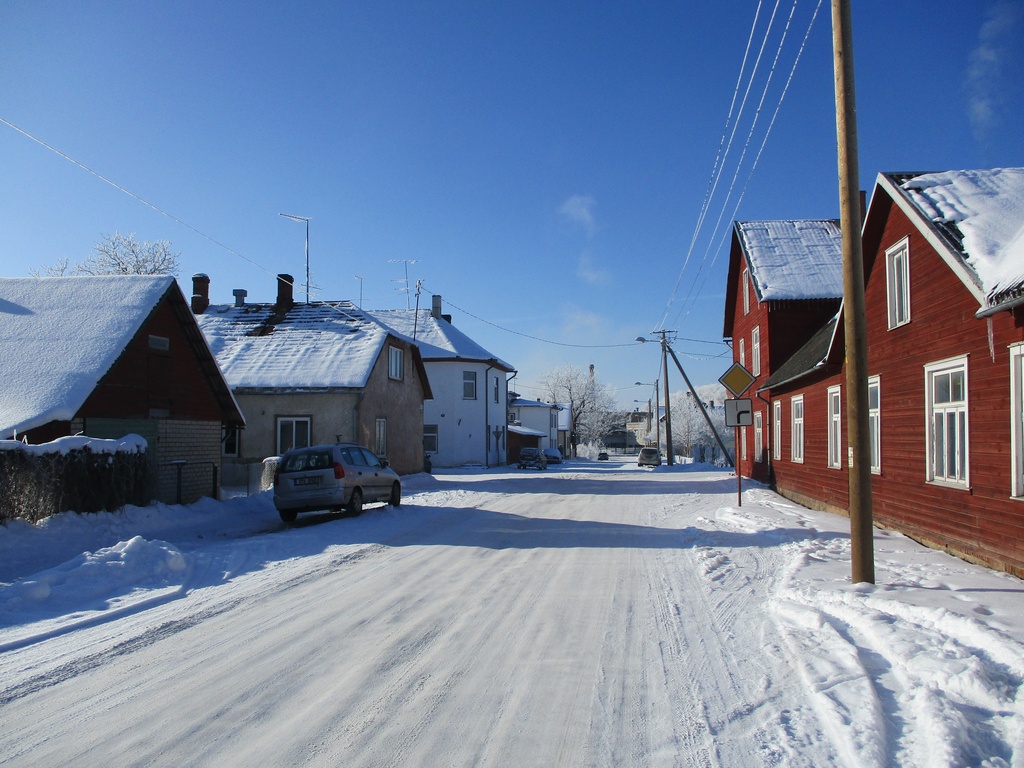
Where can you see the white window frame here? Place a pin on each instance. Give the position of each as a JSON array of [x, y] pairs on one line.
[[469, 385], [758, 437], [743, 353], [796, 428], [875, 423], [897, 283], [396, 367], [1017, 420], [230, 441], [431, 438], [746, 292], [293, 422], [835, 427], [755, 351], [777, 430], [939, 457]]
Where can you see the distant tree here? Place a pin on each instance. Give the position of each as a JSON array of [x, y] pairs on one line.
[[119, 254], [592, 406]]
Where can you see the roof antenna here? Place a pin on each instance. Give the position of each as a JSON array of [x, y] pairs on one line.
[[416, 317]]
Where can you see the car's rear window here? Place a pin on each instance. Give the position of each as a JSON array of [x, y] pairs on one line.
[[302, 462]]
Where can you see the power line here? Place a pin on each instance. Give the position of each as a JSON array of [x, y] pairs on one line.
[[128, 192]]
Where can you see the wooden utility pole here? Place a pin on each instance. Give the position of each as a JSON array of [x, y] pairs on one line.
[[669, 448], [855, 317]]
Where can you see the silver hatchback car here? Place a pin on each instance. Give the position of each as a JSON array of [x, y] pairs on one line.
[[333, 477]]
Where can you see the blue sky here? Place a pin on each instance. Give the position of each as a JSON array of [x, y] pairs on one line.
[[541, 165]]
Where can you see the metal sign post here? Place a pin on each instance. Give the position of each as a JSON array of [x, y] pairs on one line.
[[738, 413]]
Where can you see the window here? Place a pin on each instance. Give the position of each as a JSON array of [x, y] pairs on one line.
[[746, 292], [758, 437], [797, 429], [430, 438], [381, 444], [229, 441], [160, 343], [897, 280], [875, 424], [755, 352], [497, 391], [469, 385], [835, 428], [1017, 419], [292, 432], [946, 404], [395, 363], [777, 429], [743, 353]]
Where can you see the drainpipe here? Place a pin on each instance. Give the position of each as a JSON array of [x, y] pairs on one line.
[[487, 418]]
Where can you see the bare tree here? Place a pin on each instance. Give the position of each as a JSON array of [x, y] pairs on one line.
[[592, 406], [119, 254]]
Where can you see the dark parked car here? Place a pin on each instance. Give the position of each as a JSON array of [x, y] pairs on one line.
[[532, 457], [333, 477], [602, 456], [554, 456], [649, 457]]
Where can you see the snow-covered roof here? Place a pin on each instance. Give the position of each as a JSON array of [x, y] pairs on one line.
[[323, 345], [437, 338], [986, 209], [520, 403], [793, 260], [60, 335]]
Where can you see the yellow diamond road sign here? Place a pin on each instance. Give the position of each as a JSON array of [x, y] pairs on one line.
[[737, 379]]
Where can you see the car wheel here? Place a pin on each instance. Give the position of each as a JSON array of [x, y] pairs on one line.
[[396, 495], [288, 515], [355, 503]]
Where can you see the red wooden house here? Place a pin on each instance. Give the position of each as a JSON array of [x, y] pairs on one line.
[[785, 282], [944, 284], [109, 356]]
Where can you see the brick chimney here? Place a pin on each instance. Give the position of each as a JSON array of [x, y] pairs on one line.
[[200, 293], [285, 286]]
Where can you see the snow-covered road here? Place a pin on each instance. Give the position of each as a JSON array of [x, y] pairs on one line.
[[592, 614]]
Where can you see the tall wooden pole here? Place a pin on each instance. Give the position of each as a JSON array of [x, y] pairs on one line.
[[855, 318], [669, 448]]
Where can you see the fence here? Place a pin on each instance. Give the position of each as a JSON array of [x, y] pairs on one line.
[[72, 474]]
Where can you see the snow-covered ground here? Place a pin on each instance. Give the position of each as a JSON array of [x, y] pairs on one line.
[[592, 614]]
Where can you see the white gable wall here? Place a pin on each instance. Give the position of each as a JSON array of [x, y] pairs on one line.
[[466, 427]]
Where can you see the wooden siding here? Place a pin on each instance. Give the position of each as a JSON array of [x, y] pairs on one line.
[[980, 522]]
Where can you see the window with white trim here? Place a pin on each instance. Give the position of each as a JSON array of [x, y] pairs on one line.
[[1017, 420], [797, 429], [755, 351], [430, 438], [777, 429], [758, 437], [875, 423], [743, 353], [745, 279], [396, 367], [292, 432], [229, 441], [835, 428], [897, 281], [469, 385], [946, 408]]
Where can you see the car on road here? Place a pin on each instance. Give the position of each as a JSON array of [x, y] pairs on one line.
[[649, 457], [554, 456], [602, 456], [532, 457], [336, 477]]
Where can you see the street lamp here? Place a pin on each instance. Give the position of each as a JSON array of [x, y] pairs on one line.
[[305, 219], [657, 411]]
